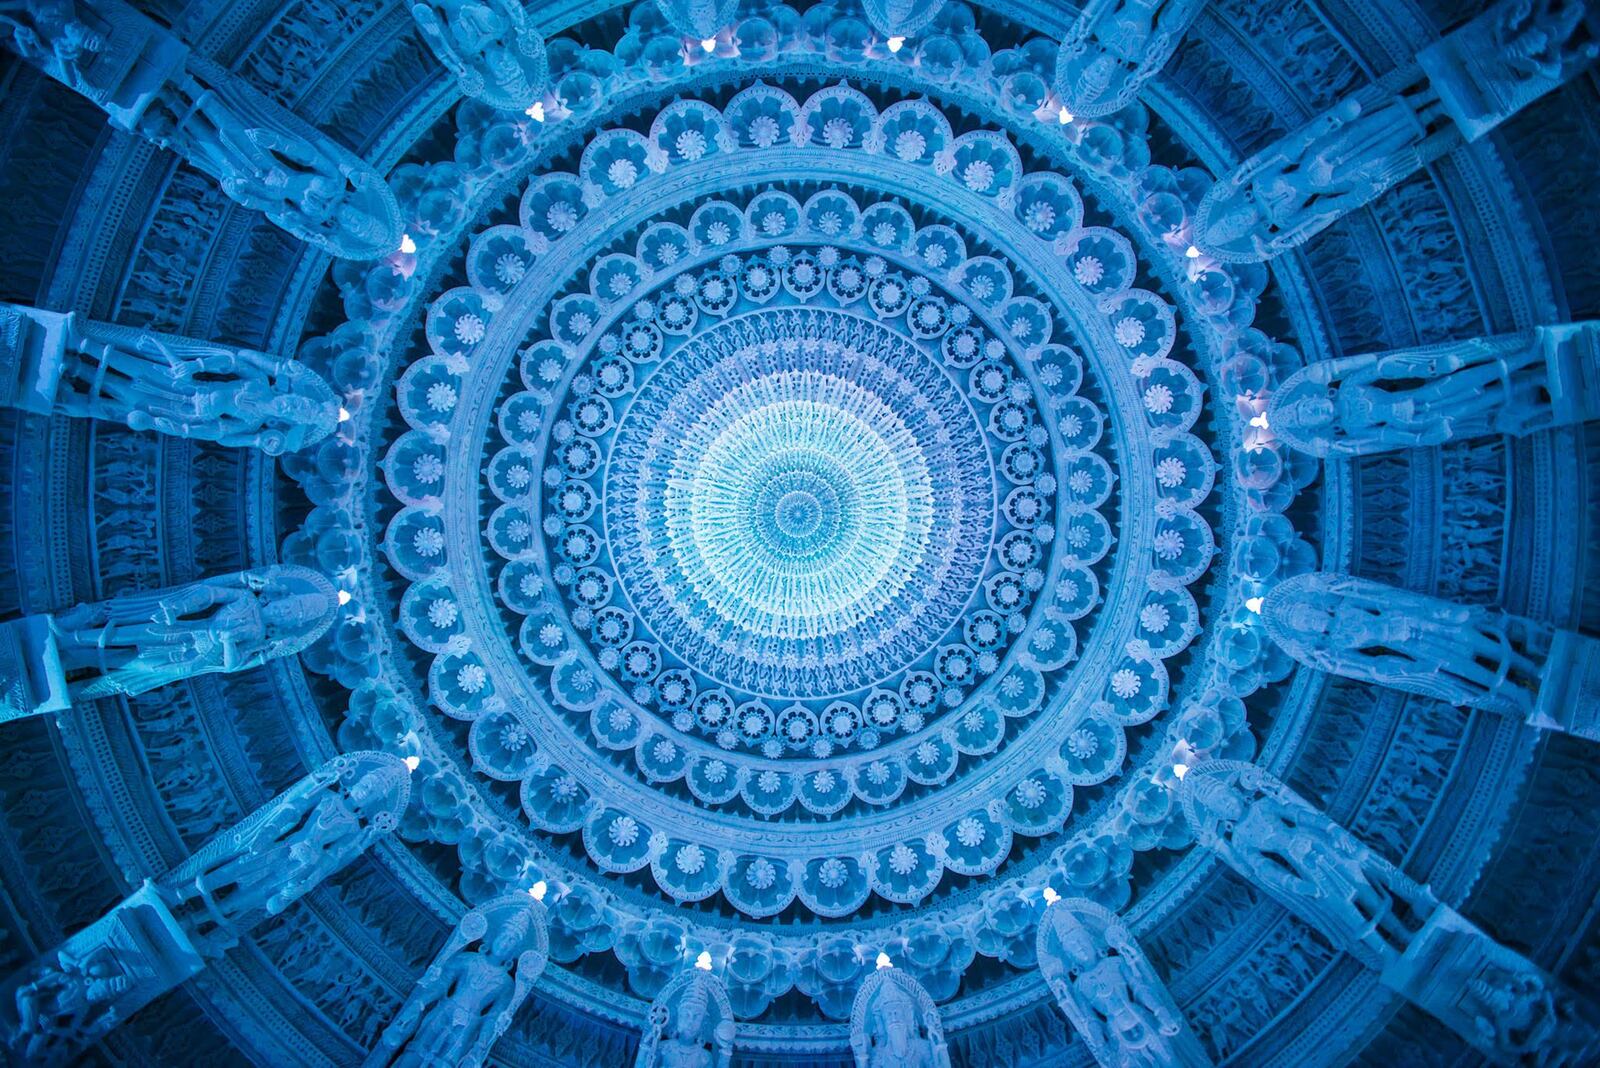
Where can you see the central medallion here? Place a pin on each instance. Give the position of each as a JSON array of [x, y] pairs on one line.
[[799, 504]]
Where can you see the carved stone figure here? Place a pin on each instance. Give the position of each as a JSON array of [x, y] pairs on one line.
[[895, 1024], [164, 932], [1114, 48], [490, 48], [99, 977], [1459, 89], [139, 641], [1303, 859], [1108, 991], [691, 1025], [1341, 160], [286, 847], [466, 999], [1475, 657], [1424, 950], [60, 363], [1513, 384], [263, 156], [1508, 57]]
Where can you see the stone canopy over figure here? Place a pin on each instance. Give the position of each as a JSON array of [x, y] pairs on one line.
[[164, 933], [466, 999], [691, 1025], [495, 55], [1365, 906], [1467, 656], [1456, 91], [139, 641], [262, 155], [1108, 991], [895, 1024], [55, 363], [1114, 48], [1513, 384]]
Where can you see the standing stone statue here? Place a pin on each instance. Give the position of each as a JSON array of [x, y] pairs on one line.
[[1512, 384], [1114, 48], [691, 1025], [495, 55], [55, 363], [895, 1024], [262, 155], [1108, 991], [466, 999], [164, 933], [139, 641], [1468, 656], [1458, 89], [1362, 904]]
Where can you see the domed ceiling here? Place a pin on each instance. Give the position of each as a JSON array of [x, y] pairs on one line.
[[724, 533]]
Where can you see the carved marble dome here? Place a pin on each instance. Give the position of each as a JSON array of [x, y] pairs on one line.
[[799, 534]]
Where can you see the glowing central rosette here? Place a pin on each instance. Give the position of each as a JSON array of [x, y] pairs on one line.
[[802, 503]]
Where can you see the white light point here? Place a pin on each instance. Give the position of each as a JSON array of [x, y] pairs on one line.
[[1192, 252], [1050, 895], [413, 763], [884, 961], [535, 111], [896, 43], [538, 890], [703, 961], [407, 246], [344, 596], [709, 44], [344, 414], [1261, 421], [1064, 116], [1180, 770], [1254, 604]]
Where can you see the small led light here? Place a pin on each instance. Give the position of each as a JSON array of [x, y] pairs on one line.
[[1064, 115], [536, 111], [896, 43], [344, 414], [709, 44], [884, 961], [538, 890], [703, 961], [407, 246], [1192, 252], [413, 763], [344, 596], [1050, 895], [1180, 770], [1260, 421], [1254, 604]]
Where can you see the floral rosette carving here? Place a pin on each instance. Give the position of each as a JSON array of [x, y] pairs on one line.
[[899, 375]]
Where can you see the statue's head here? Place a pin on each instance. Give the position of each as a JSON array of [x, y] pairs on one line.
[[506, 943], [1216, 807], [1234, 220], [694, 1005], [1100, 78], [1077, 942], [1309, 409], [897, 1013]]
